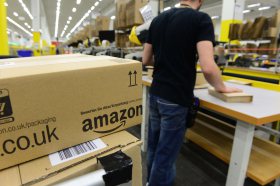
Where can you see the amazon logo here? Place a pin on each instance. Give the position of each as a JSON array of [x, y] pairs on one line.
[[117, 119]]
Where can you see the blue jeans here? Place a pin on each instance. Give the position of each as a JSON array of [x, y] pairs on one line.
[[167, 127]]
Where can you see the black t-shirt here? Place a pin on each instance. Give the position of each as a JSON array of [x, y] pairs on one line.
[[174, 35]]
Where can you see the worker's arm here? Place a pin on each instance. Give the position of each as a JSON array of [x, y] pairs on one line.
[[209, 68], [148, 55]]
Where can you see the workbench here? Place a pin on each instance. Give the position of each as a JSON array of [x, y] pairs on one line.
[[264, 109]]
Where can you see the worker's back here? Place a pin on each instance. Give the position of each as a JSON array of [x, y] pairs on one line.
[[174, 35]]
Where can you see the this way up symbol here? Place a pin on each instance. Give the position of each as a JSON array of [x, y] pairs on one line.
[[132, 78]]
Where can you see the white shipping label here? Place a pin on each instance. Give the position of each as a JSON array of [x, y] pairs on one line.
[[76, 151], [147, 13]]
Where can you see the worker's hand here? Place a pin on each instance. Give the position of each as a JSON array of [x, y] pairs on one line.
[[229, 90]]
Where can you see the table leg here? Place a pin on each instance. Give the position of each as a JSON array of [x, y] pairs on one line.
[[145, 118], [241, 150]]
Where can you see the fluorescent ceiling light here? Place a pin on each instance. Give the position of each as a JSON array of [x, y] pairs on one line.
[[68, 22], [246, 11], [70, 18], [74, 9], [15, 14], [215, 17], [82, 19], [254, 5], [57, 17], [79, 2], [264, 8], [78, 23], [113, 17], [25, 9], [63, 32], [21, 18], [19, 26], [32, 30], [166, 8], [6, 4], [177, 5]]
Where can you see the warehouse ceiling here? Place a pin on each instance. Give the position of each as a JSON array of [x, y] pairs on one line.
[[50, 7], [18, 13]]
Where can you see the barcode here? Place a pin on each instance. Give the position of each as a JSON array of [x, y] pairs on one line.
[[76, 151]]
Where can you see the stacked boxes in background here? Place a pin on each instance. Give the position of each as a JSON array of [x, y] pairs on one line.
[[261, 29], [102, 23], [127, 15], [51, 103], [121, 13], [257, 28], [122, 41], [133, 15]]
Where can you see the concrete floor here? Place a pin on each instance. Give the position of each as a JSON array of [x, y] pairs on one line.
[[195, 166]]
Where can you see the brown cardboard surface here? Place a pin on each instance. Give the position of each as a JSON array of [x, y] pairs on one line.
[[39, 168], [133, 15], [45, 58], [246, 28], [102, 23], [52, 106], [10, 177], [238, 97], [200, 79], [257, 27], [275, 20], [121, 13]]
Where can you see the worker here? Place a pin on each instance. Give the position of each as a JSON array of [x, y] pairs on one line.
[[175, 38]]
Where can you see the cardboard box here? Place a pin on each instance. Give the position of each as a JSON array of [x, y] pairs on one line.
[[121, 13], [246, 28], [200, 79], [122, 41], [102, 23], [42, 172], [275, 20], [257, 28], [236, 97], [48, 105], [271, 32], [133, 15], [233, 31]]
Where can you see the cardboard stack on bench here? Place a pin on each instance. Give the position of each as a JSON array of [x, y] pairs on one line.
[[53, 103]]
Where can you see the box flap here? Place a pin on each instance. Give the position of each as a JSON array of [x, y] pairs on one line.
[[42, 167], [10, 177], [13, 69]]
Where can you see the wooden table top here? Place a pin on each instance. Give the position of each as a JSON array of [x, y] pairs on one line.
[[265, 107]]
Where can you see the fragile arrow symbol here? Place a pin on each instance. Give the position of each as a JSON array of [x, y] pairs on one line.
[[130, 73], [135, 74]]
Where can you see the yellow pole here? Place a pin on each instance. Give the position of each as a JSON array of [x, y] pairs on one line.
[[36, 43], [4, 45]]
